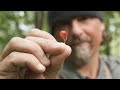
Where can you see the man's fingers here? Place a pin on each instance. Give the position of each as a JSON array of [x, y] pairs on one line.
[[41, 34], [51, 47], [26, 46], [57, 63], [58, 51], [16, 60]]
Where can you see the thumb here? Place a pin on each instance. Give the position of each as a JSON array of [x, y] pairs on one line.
[[56, 63]]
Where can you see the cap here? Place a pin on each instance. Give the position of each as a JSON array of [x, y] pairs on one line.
[[62, 17]]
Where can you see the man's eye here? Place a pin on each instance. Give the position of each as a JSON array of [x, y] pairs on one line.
[[85, 22]]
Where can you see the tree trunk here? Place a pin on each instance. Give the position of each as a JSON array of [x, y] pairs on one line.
[[39, 15]]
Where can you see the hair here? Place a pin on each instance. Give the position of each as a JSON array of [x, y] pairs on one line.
[[107, 38]]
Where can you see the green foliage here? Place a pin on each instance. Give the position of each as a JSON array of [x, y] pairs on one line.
[[112, 22], [14, 23]]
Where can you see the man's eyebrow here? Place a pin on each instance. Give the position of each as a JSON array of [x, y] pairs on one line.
[[83, 18]]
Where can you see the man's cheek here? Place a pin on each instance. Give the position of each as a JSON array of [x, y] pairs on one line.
[[95, 37]]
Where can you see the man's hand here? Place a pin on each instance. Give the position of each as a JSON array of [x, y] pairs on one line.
[[28, 58]]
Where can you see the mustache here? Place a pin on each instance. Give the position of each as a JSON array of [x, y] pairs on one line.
[[78, 40]]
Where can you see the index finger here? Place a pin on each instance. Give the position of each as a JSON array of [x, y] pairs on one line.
[[41, 34]]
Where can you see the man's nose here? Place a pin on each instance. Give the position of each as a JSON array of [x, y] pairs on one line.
[[77, 30]]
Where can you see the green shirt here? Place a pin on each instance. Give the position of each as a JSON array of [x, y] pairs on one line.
[[109, 69]]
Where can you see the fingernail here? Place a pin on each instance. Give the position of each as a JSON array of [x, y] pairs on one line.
[[41, 68]]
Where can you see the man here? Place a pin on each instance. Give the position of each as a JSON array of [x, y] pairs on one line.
[[41, 56], [85, 30]]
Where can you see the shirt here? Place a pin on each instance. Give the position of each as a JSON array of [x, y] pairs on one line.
[[109, 68]]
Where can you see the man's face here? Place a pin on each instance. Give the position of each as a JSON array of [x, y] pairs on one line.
[[85, 37]]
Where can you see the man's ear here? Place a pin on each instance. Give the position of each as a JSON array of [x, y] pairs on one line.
[[103, 33]]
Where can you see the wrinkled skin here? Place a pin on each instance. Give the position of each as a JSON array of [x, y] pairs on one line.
[[38, 56]]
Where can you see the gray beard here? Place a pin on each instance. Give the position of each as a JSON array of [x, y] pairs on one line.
[[83, 55]]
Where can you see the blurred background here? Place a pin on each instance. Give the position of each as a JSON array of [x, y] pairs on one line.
[[17, 23]]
